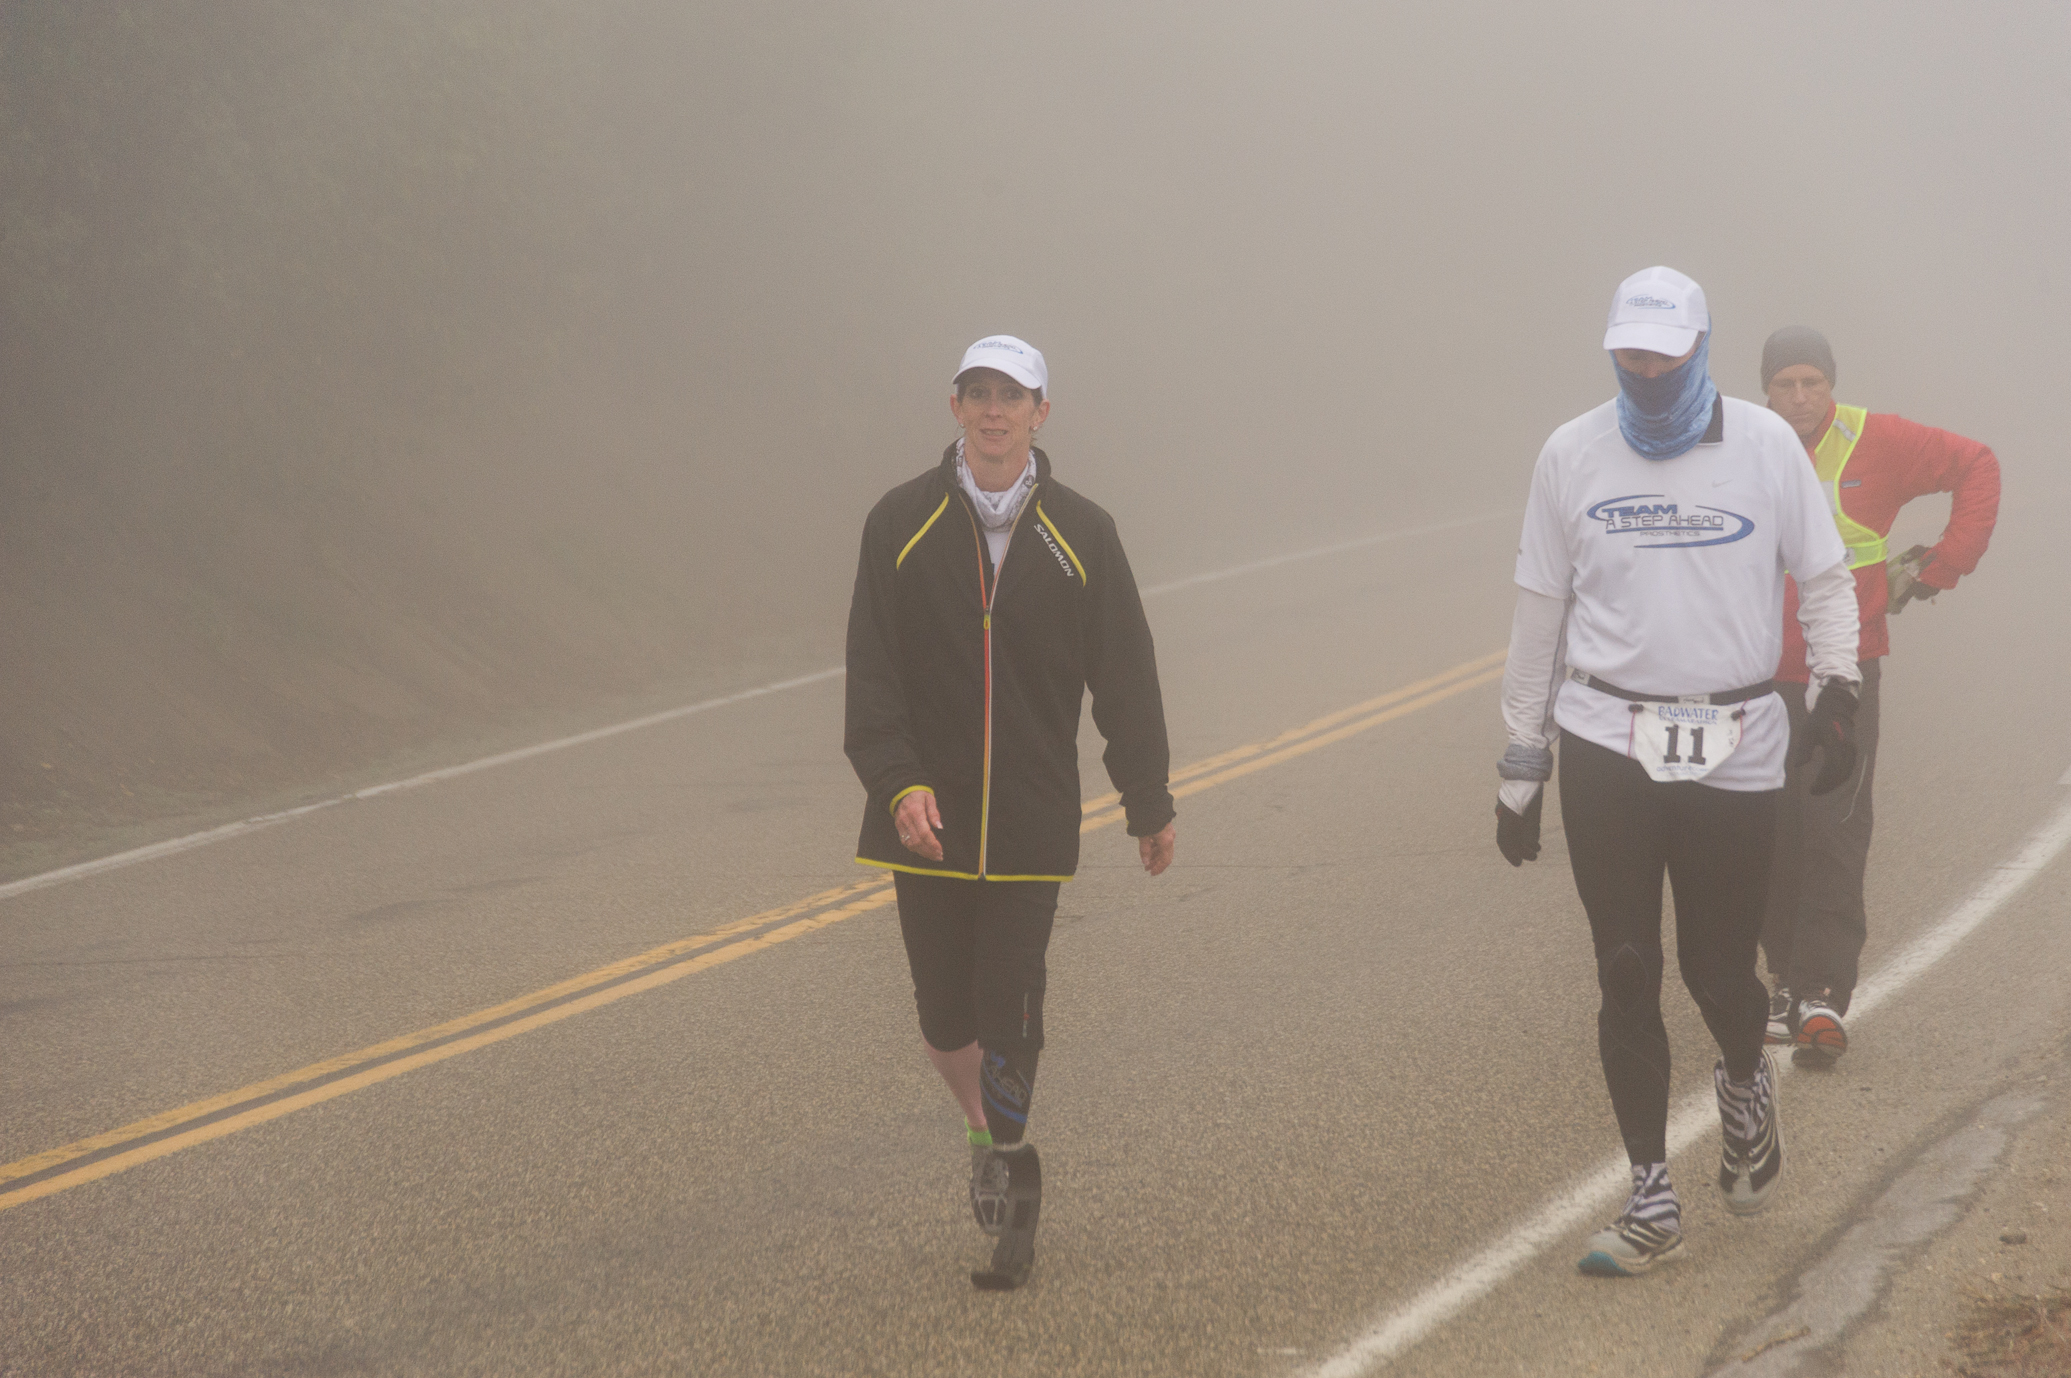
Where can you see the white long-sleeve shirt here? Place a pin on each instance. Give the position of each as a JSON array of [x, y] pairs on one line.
[[1666, 577]]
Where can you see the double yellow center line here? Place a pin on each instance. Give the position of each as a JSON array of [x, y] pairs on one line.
[[1311, 736], [86, 1160]]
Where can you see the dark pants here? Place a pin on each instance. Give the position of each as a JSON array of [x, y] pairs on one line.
[[1624, 832], [976, 949], [1815, 926]]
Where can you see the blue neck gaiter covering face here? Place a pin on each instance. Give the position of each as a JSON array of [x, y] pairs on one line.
[[1666, 416]]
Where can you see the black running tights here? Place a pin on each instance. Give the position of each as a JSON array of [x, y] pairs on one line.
[[977, 952], [1624, 831]]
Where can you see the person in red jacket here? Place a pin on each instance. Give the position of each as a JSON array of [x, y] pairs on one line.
[[1871, 464]]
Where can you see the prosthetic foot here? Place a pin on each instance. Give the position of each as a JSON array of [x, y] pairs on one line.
[[1014, 1255]]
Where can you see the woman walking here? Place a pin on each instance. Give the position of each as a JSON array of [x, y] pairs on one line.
[[989, 598]]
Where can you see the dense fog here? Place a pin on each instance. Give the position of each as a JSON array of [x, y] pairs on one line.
[[388, 379]]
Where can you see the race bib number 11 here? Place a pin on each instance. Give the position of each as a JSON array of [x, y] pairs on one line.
[[1684, 741]]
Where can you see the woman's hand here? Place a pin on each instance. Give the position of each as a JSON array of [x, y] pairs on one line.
[[918, 820], [1156, 850]]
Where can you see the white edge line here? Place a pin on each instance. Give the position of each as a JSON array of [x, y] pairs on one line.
[[226, 831], [596, 734], [1337, 548], [158, 849], [1396, 1330]]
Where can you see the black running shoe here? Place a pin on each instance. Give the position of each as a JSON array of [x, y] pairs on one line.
[[1014, 1256], [1779, 1034], [988, 1188]]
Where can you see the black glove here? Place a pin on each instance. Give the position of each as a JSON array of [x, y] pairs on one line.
[[1517, 835], [1915, 591], [1830, 730], [1904, 584]]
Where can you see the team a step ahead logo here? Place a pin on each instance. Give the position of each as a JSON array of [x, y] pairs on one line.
[[1651, 514]]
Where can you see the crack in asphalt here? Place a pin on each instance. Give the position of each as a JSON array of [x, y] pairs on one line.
[[1847, 1281]]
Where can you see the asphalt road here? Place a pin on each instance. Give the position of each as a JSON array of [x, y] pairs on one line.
[[1337, 1051]]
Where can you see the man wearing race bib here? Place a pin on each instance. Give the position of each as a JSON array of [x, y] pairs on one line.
[[1648, 627], [1868, 466]]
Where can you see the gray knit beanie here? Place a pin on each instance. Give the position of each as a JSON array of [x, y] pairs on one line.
[[1796, 344]]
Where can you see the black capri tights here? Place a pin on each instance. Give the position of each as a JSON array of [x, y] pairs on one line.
[[976, 949], [1624, 830]]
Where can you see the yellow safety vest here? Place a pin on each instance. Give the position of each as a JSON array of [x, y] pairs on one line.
[[1865, 547]]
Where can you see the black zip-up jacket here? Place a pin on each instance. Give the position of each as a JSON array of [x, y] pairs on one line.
[[974, 692]]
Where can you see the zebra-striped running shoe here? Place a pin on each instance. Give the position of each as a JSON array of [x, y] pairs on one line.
[[1750, 1136], [1649, 1231]]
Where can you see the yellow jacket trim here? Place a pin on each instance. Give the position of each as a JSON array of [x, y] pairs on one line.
[[930, 789], [920, 533], [952, 875], [1865, 546], [916, 870], [1047, 521]]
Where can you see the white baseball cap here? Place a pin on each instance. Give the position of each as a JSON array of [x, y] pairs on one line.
[[1658, 309], [1018, 359]]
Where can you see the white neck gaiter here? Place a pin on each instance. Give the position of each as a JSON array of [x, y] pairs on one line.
[[996, 511]]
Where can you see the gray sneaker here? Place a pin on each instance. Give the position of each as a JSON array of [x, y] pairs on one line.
[[1820, 1030]]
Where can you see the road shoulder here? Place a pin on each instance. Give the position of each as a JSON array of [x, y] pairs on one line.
[[2010, 1237], [2029, 1194]]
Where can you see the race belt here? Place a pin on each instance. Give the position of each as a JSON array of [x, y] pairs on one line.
[[1752, 691]]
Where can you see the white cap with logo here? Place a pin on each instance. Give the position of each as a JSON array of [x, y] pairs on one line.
[[1018, 359], [1658, 309]]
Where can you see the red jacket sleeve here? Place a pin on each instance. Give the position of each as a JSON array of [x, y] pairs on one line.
[[1939, 461]]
